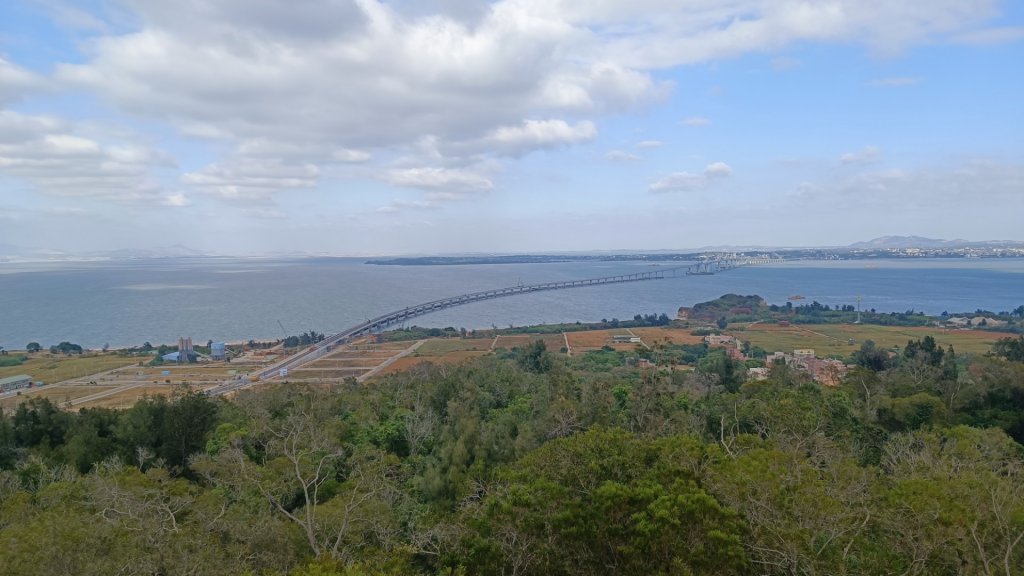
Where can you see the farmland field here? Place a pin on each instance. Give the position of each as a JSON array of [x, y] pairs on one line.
[[129, 396], [554, 342], [596, 339], [835, 339], [673, 335], [438, 347], [50, 369], [449, 358]]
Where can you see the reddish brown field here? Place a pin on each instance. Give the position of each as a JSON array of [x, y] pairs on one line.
[[314, 375], [449, 358], [368, 362], [591, 338]]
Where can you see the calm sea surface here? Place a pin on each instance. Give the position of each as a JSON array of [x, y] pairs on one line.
[[127, 303]]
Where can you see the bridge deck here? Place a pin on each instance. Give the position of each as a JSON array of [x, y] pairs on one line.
[[376, 324]]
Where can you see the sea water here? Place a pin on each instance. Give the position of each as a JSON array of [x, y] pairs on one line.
[[124, 303]]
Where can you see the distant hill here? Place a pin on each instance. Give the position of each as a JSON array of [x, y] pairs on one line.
[[175, 251], [891, 242], [727, 305]]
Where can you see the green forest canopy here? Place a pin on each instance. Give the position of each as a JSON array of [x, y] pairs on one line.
[[531, 463]]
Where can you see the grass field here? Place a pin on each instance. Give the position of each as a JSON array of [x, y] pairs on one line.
[[51, 369], [673, 335], [834, 339], [129, 397], [440, 346], [554, 342], [56, 394]]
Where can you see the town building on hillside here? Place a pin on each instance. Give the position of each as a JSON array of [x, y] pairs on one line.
[[735, 353], [826, 371], [719, 340], [625, 339], [757, 373]]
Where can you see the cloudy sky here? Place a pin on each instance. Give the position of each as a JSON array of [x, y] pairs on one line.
[[432, 126]]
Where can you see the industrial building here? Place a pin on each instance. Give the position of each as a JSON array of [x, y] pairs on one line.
[[15, 383], [185, 348], [218, 351], [185, 352]]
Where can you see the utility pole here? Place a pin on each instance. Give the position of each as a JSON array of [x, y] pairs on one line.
[[858, 310]]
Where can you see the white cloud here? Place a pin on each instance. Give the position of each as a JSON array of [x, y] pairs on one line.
[[66, 211], [264, 148], [57, 161], [538, 134], [379, 79], [446, 181], [247, 180], [687, 182], [621, 156], [717, 170], [678, 182], [265, 213], [366, 74], [297, 87], [696, 121], [350, 156], [896, 81], [69, 16], [934, 189], [176, 200], [647, 144], [16, 82], [396, 206], [866, 155]]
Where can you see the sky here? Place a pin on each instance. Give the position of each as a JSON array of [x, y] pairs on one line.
[[454, 126]]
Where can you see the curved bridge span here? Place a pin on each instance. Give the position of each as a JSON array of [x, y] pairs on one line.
[[377, 324]]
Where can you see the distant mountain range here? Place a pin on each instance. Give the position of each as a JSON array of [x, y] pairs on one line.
[[10, 251], [175, 251], [895, 242]]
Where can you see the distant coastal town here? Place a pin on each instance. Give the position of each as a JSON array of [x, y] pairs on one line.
[[1001, 251]]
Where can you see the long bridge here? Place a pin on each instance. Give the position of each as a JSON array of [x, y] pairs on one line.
[[329, 344]]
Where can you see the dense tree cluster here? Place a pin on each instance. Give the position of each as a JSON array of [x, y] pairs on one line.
[[1010, 348], [304, 339], [66, 348], [526, 463]]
